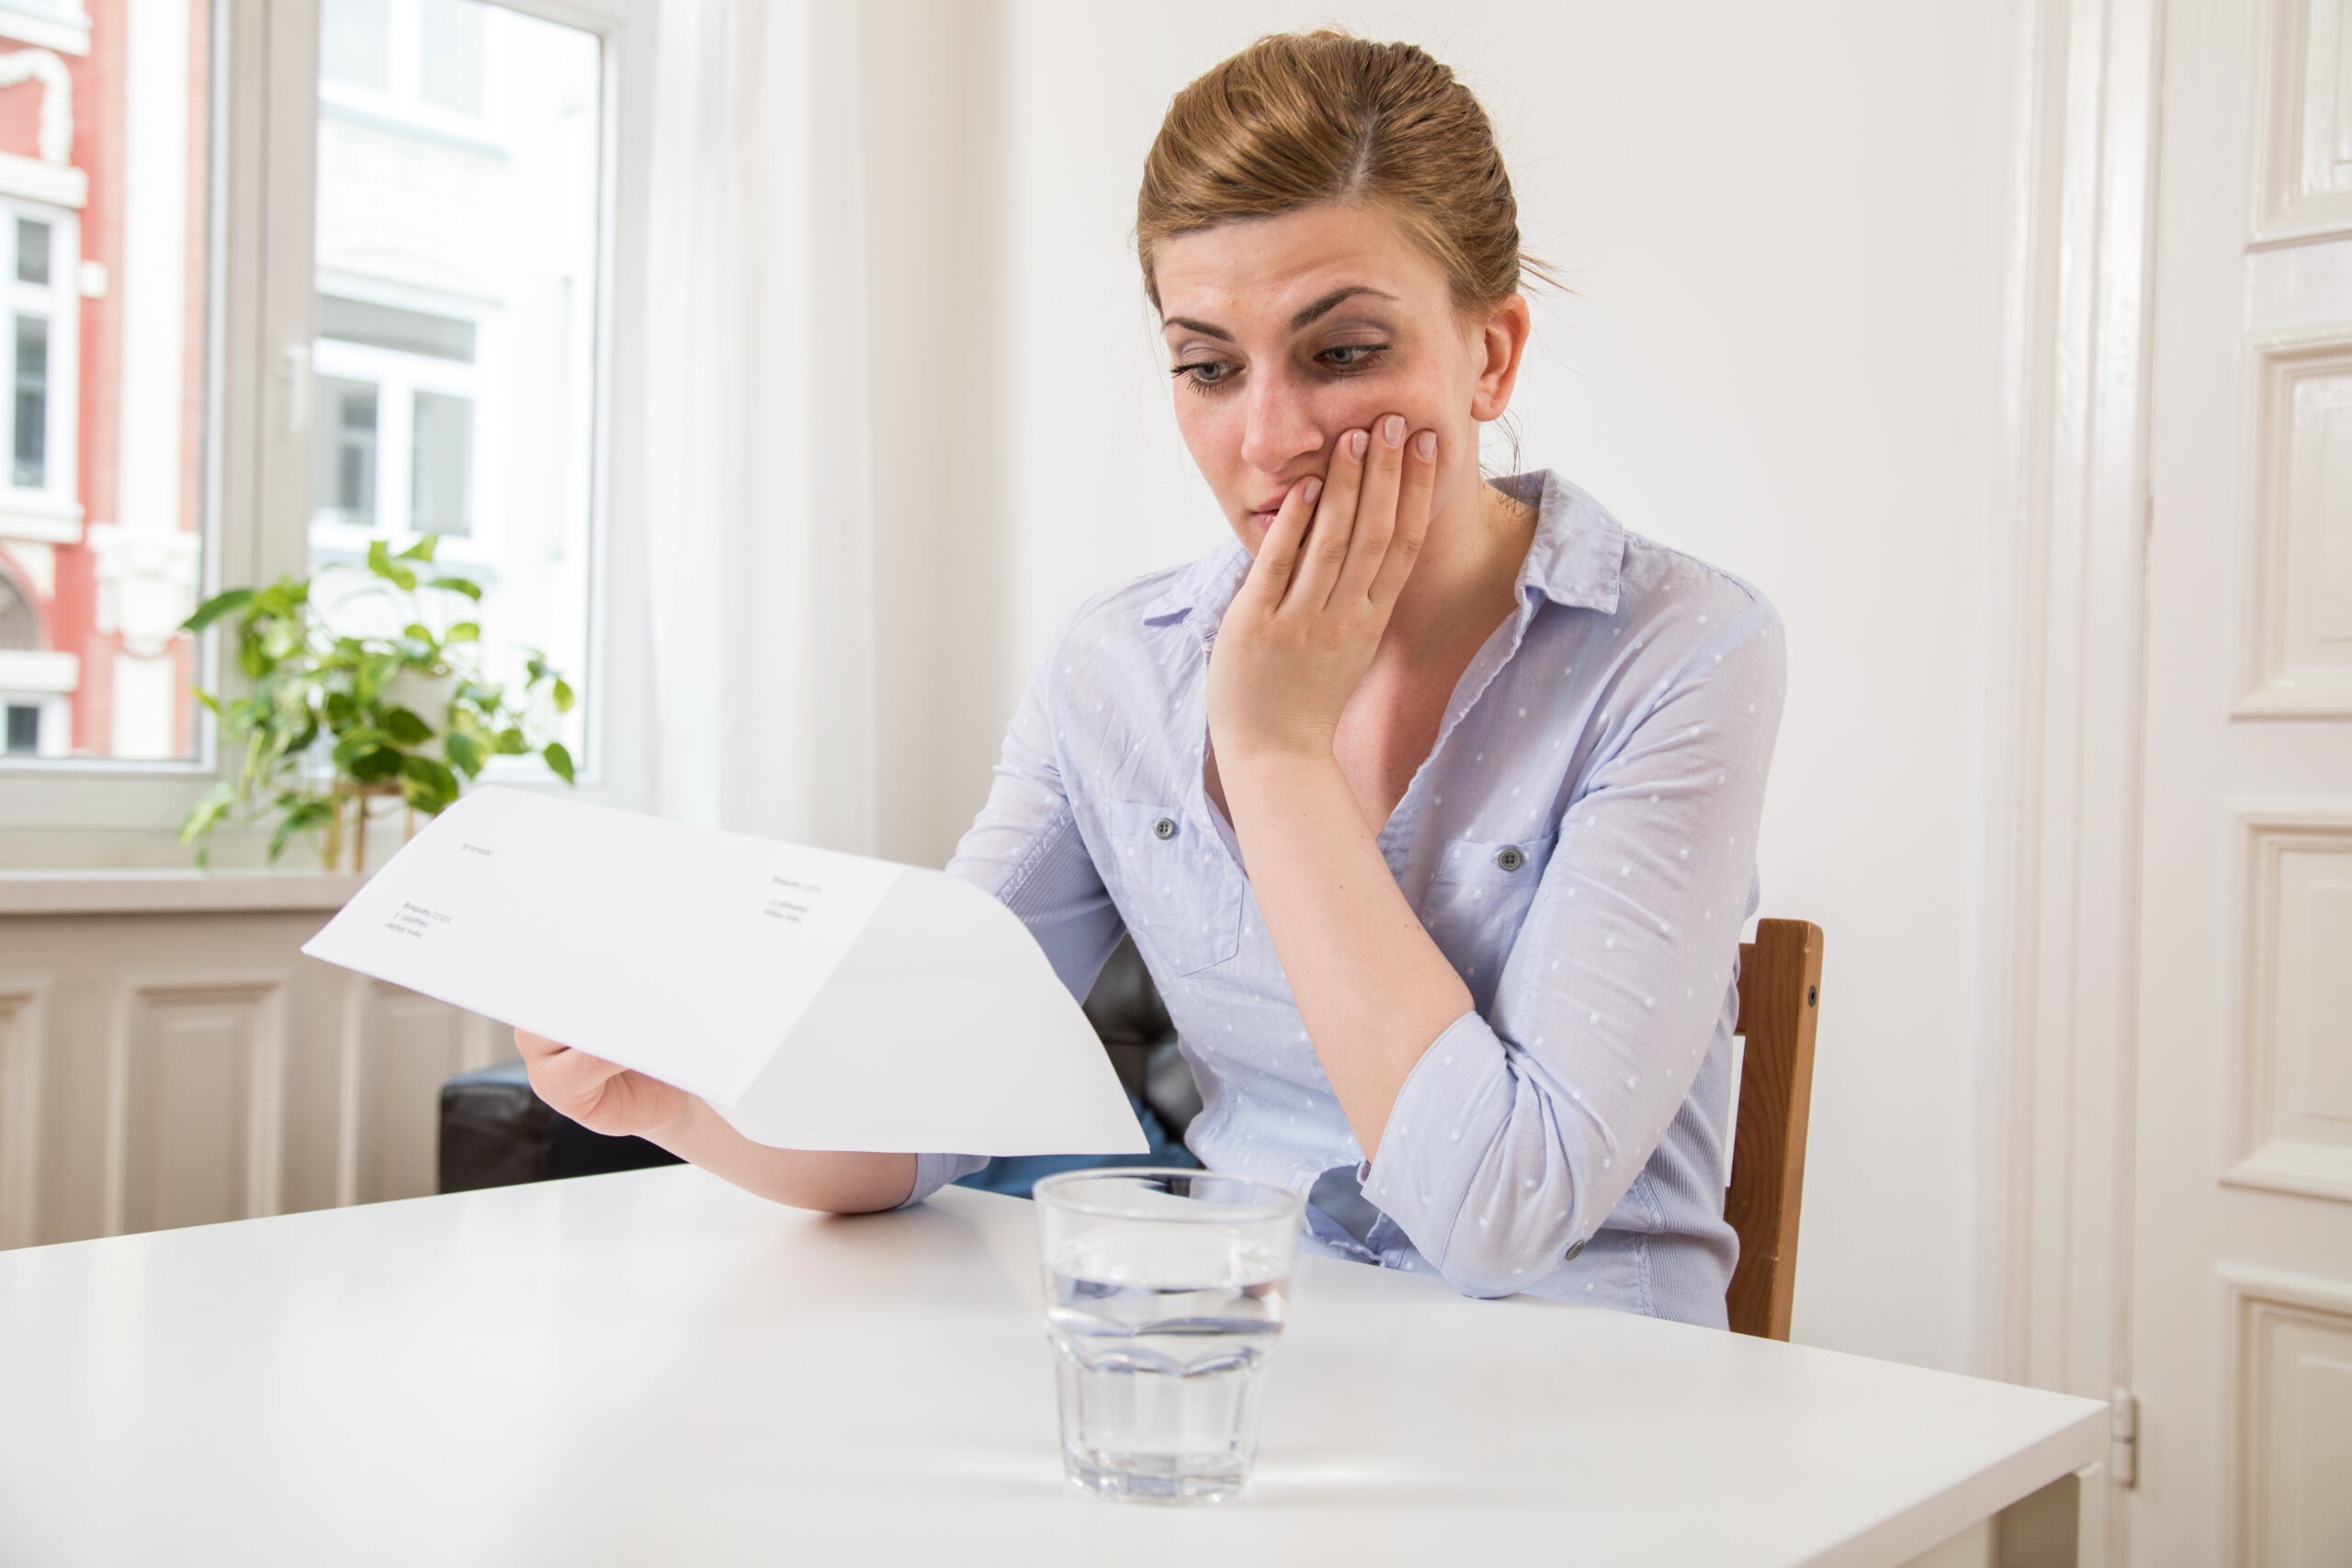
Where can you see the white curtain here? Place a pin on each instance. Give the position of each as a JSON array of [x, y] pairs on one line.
[[761, 570]]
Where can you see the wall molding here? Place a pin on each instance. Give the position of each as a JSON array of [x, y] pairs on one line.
[[2281, 673], [22, 1040], [66, 28], [2270, 971], [142, 999], [2062, 922], [2259, 1304], [2300, 193]]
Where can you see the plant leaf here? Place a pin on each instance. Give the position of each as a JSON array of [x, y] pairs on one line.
[[458, 585], [366, 737], [212, 609], [404, 726], [464, 631], [558, 760], [302, 814], [561, 690], [381, 562], [422, 549], [511, 742], [466, 753], [206, 815], [429, 787]]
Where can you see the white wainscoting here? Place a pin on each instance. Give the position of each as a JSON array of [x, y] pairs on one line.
[[168, 1057]]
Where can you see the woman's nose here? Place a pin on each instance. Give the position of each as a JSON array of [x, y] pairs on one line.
[[1279, 427]]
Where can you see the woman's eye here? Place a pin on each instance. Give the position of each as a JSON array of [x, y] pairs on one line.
[[1351, 355], [1205, 373]]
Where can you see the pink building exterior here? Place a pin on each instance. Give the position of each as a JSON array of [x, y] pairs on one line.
[[100, 506]]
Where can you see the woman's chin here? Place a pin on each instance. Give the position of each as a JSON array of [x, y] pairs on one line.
[[1250, 529]]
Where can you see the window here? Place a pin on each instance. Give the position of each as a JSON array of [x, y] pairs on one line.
[[458, 253], [430, 62], [43, 321], [215, 376], [35, 716], [392, 451]]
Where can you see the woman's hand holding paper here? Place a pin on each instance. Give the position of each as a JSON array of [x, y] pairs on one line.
[[601, 1095], [606, 1098]]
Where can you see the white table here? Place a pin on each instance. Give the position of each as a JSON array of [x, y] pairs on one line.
[[656, 1368]]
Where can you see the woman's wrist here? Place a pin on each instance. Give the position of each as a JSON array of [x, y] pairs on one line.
[[805, 1179], [1263, 767], [687, 1128], [1268, 788]]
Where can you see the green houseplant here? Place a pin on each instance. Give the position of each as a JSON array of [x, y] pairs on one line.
[[332, 720]]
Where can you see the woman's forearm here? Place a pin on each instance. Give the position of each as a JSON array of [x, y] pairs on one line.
[[1374, 988], [837, 1181]]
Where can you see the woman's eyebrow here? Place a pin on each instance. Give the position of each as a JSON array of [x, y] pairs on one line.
[[1308, 316], [1200, 327], [1332, 301]]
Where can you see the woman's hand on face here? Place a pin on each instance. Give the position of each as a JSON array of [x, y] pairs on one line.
[[596, 1093], [1302, 628]]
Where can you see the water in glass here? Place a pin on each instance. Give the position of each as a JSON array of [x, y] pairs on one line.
[[1162, 1306]]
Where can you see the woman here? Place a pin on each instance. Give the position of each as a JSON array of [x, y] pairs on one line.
[[1431, 803]]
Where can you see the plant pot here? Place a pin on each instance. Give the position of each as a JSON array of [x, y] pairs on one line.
[[429, 697]]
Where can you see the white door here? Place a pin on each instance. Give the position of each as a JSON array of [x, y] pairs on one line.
[[2241, 1330]]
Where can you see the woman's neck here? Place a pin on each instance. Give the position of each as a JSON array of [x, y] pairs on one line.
[[1466, 582]]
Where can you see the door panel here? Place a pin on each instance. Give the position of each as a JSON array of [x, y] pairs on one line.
[[2241, 1313]]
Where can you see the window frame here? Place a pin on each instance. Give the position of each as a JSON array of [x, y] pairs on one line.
[[259, 320], [59, 302], [408, 372]]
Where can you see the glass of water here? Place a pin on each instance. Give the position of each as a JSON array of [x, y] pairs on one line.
[[1165, 1290]]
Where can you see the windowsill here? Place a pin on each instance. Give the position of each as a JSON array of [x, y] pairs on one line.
[[170, 892]]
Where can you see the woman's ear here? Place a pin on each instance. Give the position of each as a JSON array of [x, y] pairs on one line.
[[1501, 343]]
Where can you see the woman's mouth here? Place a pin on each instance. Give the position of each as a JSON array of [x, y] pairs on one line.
[[1265, 512]]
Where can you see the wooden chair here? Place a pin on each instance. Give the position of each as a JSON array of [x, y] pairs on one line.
[[1780, 1000]]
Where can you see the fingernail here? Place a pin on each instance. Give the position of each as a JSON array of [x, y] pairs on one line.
[[1425, 444], [1392, 431], [1357, 442], [1314, 492]]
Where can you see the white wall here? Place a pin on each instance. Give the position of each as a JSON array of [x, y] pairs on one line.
[[1783, 226]]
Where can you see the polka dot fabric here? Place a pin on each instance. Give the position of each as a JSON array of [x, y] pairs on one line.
[[1579, 843]]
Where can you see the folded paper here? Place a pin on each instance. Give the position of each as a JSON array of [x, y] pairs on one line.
[[816, 1000]]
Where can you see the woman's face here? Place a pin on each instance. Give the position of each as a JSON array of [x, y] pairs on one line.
[[1285, 333]]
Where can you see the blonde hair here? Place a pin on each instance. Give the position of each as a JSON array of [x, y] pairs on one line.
[[1300, 120]]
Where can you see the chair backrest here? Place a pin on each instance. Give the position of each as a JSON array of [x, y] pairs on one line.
[[1780, 1000]]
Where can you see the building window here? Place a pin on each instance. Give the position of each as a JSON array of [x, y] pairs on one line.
[[30, 688], [441, 464], [391, 381], [43, 318], [423, 59], [19, 622], [30, 444]]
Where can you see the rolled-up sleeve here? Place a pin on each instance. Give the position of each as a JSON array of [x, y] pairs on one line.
[[1025, 850], [1520, 1130]]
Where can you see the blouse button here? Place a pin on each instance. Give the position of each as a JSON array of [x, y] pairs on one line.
[[1509, 858], [1164, 828]]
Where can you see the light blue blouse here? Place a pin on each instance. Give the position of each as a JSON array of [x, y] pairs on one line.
[[1580, 844]]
